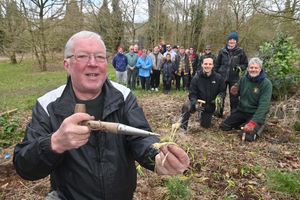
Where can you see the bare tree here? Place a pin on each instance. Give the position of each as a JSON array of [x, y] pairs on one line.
[[241, 9], [117, 24], [41, 16], [155, 21], [130, 10], [283, 9], [12, 29]]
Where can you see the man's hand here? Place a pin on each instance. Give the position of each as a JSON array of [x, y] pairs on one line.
[[71, 135], [249, 127], [171, 160], [234, 90]]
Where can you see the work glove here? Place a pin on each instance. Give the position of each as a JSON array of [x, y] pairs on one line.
[[249, 127], [234, 90]]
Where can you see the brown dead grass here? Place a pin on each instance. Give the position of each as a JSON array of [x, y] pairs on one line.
[[222, 166]]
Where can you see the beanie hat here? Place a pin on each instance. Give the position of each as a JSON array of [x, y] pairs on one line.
[[233, 35]]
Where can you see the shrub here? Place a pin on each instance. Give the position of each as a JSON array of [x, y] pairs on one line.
[[280, 58], [9, 131]]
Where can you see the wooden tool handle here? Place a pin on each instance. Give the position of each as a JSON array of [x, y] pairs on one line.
[[80, 108]]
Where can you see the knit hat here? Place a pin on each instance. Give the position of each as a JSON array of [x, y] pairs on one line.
[[233, 35]]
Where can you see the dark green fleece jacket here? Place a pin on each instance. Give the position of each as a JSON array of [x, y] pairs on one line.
[[255, 96]]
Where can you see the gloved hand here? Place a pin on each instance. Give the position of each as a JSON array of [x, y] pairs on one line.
[[234, 90], [249, 127]]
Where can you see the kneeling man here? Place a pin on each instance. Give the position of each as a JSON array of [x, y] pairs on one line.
[[254, 91], [208, 88]]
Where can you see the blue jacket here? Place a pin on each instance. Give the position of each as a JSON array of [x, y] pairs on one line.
[[144, 65], [120, 62]]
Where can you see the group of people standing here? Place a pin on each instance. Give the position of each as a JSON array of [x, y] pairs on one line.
[[175, 64]]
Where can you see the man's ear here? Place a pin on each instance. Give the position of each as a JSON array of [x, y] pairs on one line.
[[67, 65]]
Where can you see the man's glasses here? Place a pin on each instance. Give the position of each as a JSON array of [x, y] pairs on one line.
[[85, 57]]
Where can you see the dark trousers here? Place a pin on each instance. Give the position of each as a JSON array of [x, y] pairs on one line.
[[237, 119], [145, 82], [204, 117], [155, 78], [167, 85], [131, 78], [185, 81]]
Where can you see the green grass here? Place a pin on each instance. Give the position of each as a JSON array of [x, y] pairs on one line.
[[177, 189], [23, 83], [284, 182]]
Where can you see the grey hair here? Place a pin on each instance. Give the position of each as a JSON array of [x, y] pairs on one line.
[[69, 48], [255, 60]]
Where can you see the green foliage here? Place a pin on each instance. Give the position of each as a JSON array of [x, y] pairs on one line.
[[178, 189], [296, 126], [285, 182], [281, 58], [9, 131]]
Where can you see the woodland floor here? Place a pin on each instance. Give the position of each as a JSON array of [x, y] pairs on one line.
[[222, 166]]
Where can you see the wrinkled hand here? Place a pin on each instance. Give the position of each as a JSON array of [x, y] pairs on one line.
[[171, 160], [234, 90], [71, 135], [249, 127]]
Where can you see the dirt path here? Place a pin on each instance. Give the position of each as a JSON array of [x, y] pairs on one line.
[[222, 166]]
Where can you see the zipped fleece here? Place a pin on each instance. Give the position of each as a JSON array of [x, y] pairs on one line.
[[206, 88], [255, 96], [104, 168]]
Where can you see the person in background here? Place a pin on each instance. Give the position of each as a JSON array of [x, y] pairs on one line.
[[255, 92], [169, 51], [139, 54], [230, 63], [162, 47], [168, 69], [85, 164], [131, 69], [157, 60], [194, 59], [184, 70], [208, 86], [207, 53], [120, 63], [144, 64]]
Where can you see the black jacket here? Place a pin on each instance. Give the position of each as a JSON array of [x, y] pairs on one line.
[[206, 88], [104, 168], [228, 61], [168, 68]]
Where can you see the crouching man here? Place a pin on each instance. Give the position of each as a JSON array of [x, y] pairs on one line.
[[206, 89], [254, 91]]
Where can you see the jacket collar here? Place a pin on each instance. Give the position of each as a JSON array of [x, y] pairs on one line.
[[113, 100]]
